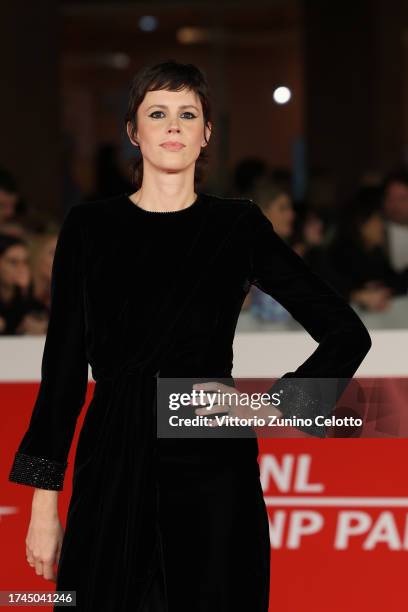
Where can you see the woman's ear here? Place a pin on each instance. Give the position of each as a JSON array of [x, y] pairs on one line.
[[207, 130], [129, 129]]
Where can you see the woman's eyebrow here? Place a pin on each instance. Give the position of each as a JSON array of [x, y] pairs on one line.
[[181, 106]]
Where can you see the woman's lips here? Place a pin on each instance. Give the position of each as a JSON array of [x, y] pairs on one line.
[[172, 146]]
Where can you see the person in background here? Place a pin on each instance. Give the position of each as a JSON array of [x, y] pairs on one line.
[[14, 228], [395, 205], [309, 231], [246, 174], [110, 179], [276, 204], [9, 197], [14, 281], [42, 250], [17, 218], [356, 262]]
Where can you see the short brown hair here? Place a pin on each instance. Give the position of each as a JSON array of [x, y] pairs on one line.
[[173, 76]]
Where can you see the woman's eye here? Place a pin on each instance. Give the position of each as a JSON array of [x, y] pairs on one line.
[[185, 113]]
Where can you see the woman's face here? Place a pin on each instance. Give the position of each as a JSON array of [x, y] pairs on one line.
[[14, 265], [8, 204], [396, 202], [280, 212], [313, 229], [373, 231], [170, 116]]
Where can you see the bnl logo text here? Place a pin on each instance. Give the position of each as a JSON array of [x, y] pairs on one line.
[[298, 512]]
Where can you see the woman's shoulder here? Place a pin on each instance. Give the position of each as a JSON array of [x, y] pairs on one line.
[[227, 201], [231, 206], [246, 212]]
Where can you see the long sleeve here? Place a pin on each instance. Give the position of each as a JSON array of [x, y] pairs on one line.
[[41, 458], [343, 340]]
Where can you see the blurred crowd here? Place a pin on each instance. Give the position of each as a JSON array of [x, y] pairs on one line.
[[28, 239], [27, 246], [359, 248]]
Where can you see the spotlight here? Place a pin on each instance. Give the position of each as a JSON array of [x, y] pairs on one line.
[[282, 95]]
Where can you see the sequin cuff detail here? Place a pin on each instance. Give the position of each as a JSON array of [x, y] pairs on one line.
[[297, 401], [37, 472]]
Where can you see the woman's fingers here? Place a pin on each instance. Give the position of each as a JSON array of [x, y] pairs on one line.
[[38, 567], [206, 394], [207, 390], [213, 410], [43, 567], [48, 569], [29, 555]]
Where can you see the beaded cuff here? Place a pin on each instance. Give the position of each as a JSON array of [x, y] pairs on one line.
[[37, 472], [296, 401]]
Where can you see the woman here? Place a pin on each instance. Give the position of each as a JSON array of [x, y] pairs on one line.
[[160, 524]]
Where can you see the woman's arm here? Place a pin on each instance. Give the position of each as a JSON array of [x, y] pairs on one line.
[[343, 340], [41, 458]]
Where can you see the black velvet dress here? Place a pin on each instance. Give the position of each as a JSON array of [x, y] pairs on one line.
[[164, 525]]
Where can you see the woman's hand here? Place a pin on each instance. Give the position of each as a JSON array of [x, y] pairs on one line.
[[230, 401], [45, 534]]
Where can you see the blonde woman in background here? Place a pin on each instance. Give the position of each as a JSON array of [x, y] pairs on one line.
[[42, 250]]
